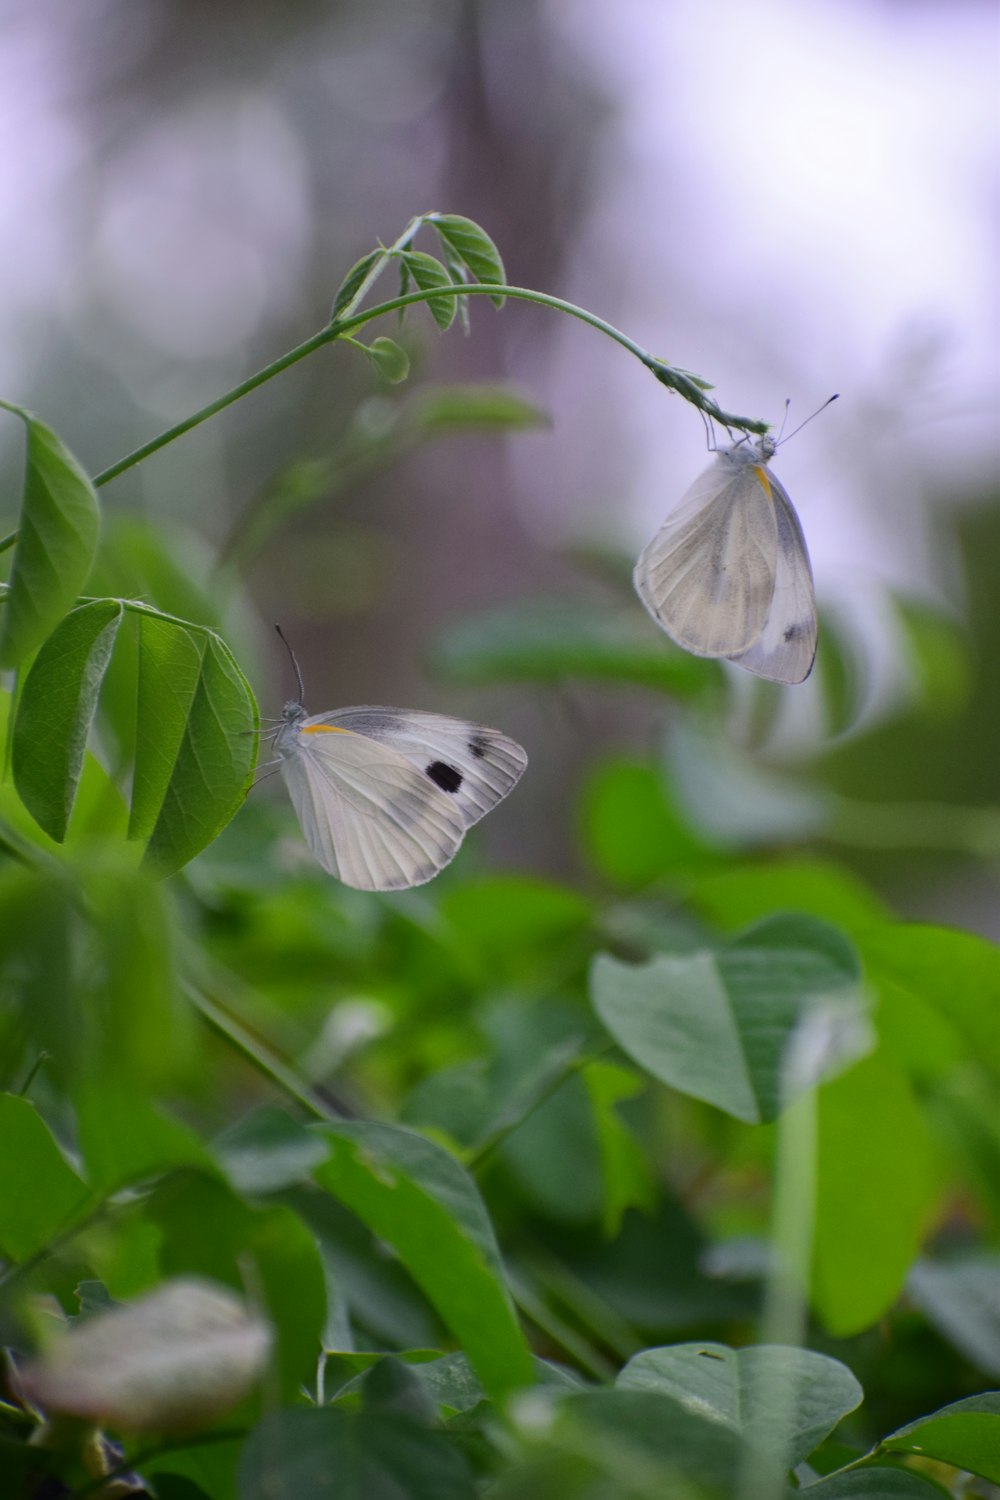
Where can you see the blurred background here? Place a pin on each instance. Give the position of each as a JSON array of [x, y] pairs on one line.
[[788, 199]]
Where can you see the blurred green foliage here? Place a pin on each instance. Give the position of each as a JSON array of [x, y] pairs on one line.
[[496, 1160]]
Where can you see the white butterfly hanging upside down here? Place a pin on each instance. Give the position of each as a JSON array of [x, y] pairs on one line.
[[728, 574], [385, 795]]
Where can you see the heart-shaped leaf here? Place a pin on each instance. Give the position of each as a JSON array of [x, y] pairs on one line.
[[746, 1027]]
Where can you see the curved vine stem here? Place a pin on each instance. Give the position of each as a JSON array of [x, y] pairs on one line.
[[677, 380]]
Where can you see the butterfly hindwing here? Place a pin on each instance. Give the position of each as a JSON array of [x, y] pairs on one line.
[[707, 577], [369, 817], [786, 647]]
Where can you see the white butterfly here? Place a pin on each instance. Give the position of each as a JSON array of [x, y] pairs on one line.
[[728, 574], [384, 795]]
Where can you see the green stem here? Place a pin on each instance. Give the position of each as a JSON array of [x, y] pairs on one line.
[[793, 1221], [378, 266], [547, 1086], [42, 1057], [916, 825], [678, 380], [536, 1310], [13, 1272], [675, 379], [259, 1056], [560, 1282], [325, 336]]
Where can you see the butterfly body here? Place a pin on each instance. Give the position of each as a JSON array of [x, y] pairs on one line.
[[728, 575], [385, 795]]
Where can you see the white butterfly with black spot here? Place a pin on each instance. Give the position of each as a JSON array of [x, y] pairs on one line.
[[728, 574], [385, 795]]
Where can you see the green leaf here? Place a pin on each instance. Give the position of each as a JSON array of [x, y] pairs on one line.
[[39, 936], [876, 1186], [170, 662], [782, 1400], [177, 1487], [940, 655], [428, 273], [641, 1445], [450, 1381], [56, 540], [124, 1137], [554, 1153], [632, 831], [956, 974], [99, 807], [744, 893], [23, 1468], [878, 1483], [418, 1199], [459, 276], [404, 288], [374, 1302], [349, 287], [147, 1028], [329, 1454], [547, 642], [627, 1181], [473, 247], [196, 735], [446, 407], [40, 1194], [961, 1298], [205, 1471], [391, 1388], [966, 1434], [267, 1150], [730, 1026], [57, 709], [506, 920], [143, 558], [93, 1296], [392, 362]]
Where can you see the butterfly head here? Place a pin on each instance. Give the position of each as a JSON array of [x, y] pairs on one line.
[[749, 454]]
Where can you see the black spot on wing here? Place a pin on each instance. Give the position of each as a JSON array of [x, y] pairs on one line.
[[448, 778], [478, 746]]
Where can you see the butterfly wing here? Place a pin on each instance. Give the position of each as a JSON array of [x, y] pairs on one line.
[[473, 765], [369, 817], [786, 647], [708, 574]]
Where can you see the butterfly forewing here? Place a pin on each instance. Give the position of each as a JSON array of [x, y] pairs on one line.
[[707, 577], [369, 817], [473, 765], [786, 647]]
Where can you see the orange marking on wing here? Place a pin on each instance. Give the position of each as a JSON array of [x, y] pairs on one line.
[[324, 729], [762, 475]]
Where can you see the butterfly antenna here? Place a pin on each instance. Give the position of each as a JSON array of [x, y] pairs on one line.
[[781, 429], [295, 663], [826, 403]]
